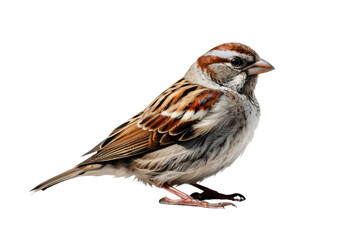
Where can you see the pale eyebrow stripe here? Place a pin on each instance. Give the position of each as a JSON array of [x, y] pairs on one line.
[[222, 53]]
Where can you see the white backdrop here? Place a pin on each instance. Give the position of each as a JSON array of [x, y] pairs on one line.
[[72, 71]]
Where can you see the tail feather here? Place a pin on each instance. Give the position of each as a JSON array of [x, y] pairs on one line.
[[72, 173]]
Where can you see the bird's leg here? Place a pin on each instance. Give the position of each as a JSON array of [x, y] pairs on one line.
[[211, 194], [188, 200]]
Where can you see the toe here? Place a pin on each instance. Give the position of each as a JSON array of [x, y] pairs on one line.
[[164, 200], [224, 204]]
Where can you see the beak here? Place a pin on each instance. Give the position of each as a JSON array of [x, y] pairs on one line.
[[258, 67]]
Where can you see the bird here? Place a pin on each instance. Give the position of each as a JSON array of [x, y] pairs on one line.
[[194, 129]]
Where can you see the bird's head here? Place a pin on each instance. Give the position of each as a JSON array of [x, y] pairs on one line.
[[230, 65]]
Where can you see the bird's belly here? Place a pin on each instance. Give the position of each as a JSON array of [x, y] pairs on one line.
[[181, 163], [234, 146], [183, 167]]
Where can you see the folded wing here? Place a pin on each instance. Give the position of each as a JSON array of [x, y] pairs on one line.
[[168, 119]]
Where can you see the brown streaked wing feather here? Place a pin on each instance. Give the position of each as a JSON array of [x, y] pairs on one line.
[[168, 119]]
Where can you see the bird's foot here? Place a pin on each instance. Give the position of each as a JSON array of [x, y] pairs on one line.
[[211, 194], [194, 202]]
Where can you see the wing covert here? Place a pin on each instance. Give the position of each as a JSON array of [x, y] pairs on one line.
[[167, 120]]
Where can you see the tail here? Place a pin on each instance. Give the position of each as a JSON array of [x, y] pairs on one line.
[[72, 173]]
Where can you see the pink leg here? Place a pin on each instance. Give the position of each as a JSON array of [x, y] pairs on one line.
[[188, 200]]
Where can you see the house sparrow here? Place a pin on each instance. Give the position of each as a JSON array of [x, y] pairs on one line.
[[194, 129]]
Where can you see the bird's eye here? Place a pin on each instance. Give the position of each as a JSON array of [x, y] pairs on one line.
[[236, 62]]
